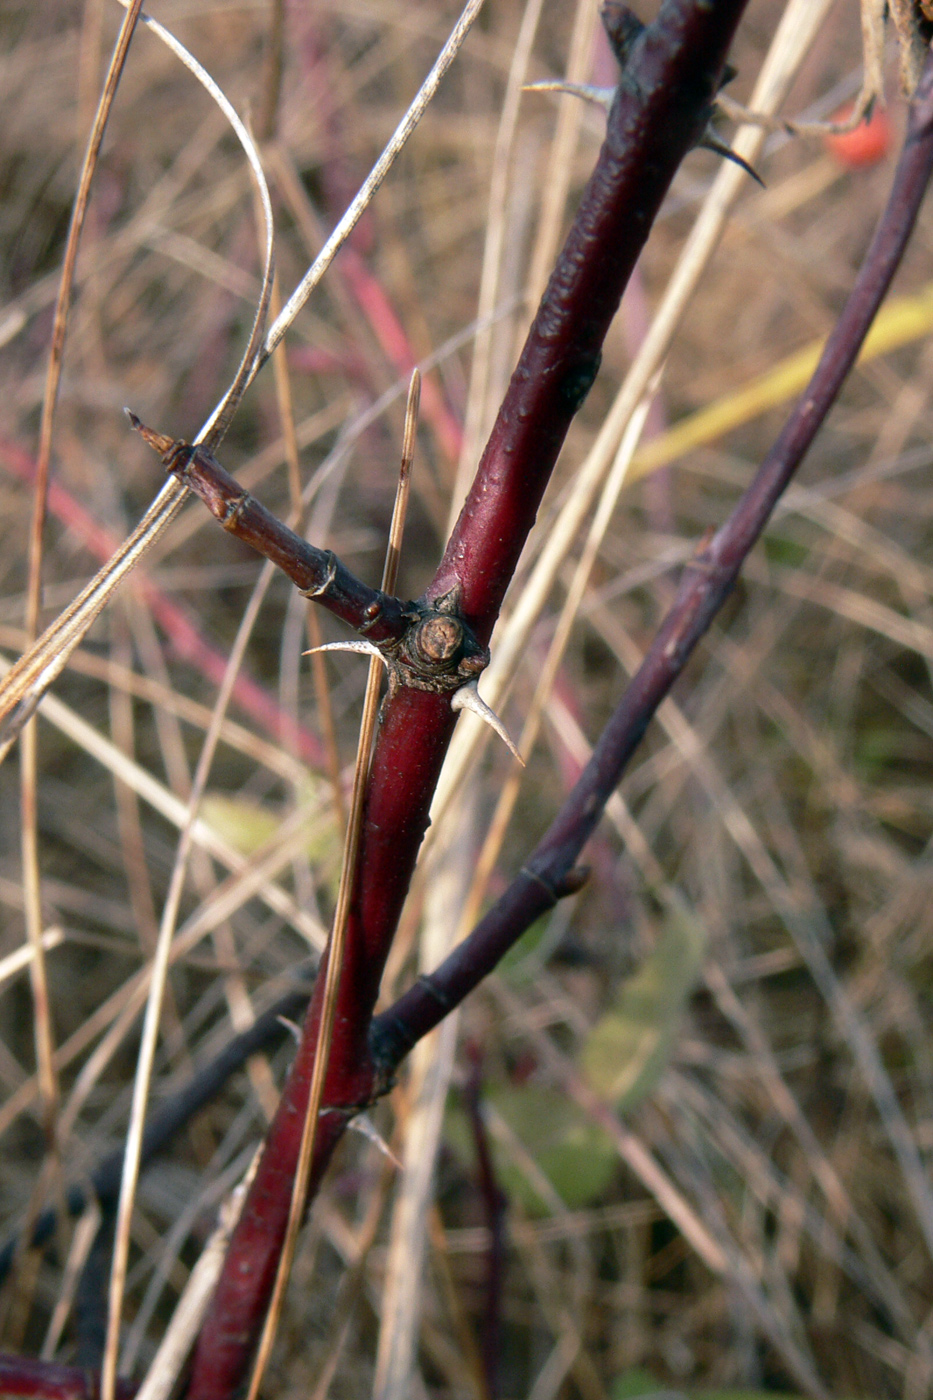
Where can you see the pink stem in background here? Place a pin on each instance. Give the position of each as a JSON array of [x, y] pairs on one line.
[[374, 301], [187, 641]]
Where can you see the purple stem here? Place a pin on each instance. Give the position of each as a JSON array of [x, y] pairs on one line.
[[704, 587], [494, 1208], [47, 1380]]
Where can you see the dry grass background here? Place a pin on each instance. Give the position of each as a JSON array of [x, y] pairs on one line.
[[786, 799]]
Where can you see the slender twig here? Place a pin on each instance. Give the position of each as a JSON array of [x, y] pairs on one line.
[[318, 573]]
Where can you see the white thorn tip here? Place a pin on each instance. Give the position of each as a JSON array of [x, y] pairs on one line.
[[362, 1123], [468, 698]]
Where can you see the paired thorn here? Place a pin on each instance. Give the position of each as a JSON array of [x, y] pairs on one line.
[[363, 1124], [468, 698], [603, 96]]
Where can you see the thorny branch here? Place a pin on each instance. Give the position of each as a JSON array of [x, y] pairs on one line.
[[660, 109], [550, 872]]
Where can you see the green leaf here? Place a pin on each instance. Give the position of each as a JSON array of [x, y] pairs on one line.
[[247, 824], [575, 1156], [628, 1049], [244, 823], [633, 1384], [639, 1384]]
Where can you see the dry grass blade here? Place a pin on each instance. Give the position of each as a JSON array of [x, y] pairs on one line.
[[479, 408], [154, 1002], [28, 766], [40, 665], [28, 680], [218, 422], [179, 1336]]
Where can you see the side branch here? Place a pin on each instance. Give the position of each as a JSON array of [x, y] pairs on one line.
[[706, 583], [318, 573]]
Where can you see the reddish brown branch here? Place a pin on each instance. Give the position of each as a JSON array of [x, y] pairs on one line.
[[318, 573], [662, 103]]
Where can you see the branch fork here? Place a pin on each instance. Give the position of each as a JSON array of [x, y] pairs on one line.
[[624, 36], [423, 646]]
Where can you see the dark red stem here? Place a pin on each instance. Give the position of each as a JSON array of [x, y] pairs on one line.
[[672, 70], [663, 98], [413, 739], [47, 1380]]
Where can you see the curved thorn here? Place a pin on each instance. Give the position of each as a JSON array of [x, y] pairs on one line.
[[364, 649], [709, 141], [468, 698], [602, 96]]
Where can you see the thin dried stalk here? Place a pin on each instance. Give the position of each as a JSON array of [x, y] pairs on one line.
[[32, 893], [157, 983], [189, 1311], [477, 409], [449, 879], [375, 178]]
